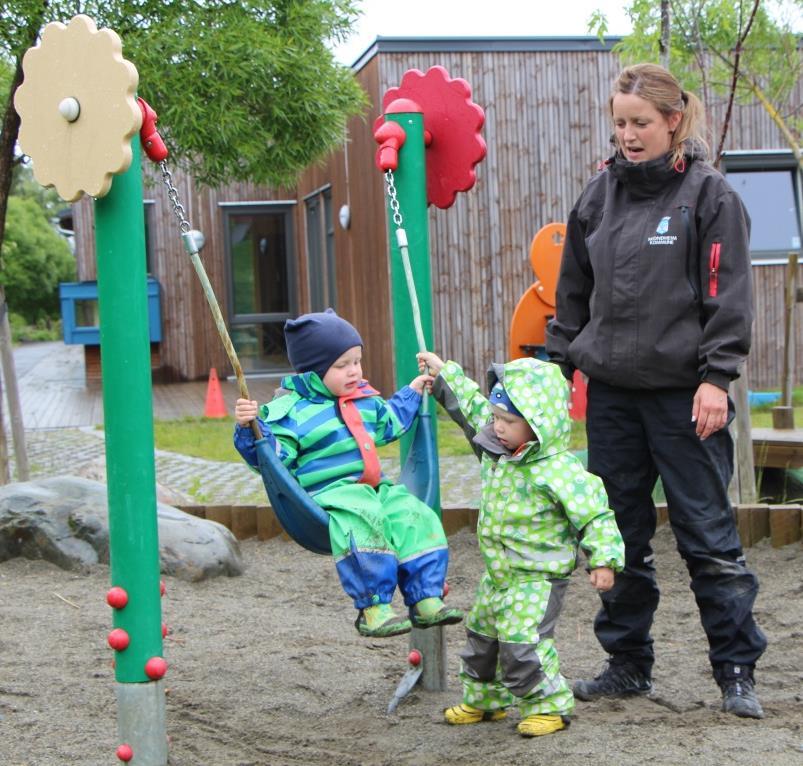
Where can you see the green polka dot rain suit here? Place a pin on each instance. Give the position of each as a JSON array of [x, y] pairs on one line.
[[538, 505]]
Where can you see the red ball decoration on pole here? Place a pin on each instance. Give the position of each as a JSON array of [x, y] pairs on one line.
[[118, 639], [162, 588], [414, 658], [116, 597], [125, 753], [155, 668]]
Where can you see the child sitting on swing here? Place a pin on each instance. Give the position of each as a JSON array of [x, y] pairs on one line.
[[538, 505], [325, 424]]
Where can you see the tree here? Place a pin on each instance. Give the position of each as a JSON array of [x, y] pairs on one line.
[[244, 90], [34, 260]]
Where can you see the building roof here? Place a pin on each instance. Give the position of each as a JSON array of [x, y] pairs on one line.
[[481, 44]]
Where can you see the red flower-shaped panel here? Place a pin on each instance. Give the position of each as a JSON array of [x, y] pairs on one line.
[[453, 121]]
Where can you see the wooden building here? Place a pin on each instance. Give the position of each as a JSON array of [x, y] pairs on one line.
[[272, 254]]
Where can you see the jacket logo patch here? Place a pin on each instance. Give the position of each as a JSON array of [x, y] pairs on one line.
[[662, 238]]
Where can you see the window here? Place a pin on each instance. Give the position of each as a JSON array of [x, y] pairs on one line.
[[768, 186], [321, 249]]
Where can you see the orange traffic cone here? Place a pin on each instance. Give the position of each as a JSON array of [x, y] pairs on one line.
[[215, 408]]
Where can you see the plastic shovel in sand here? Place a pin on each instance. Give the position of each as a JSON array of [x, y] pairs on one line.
[[408, 680]]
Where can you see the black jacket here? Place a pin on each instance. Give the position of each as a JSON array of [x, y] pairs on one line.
[[655, 283]]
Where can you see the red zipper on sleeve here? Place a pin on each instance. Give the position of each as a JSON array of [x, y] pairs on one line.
[[713, 269]]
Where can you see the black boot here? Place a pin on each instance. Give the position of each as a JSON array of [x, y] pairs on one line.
[[738, 691], [620, 679]]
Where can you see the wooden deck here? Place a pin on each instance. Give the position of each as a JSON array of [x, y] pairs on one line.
[[777, 448], [54, 393]]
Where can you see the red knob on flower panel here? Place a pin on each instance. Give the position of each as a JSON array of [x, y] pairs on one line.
[[414, 658], [125, 753], [118, 639], [155, 668], [151, 140], [116, 597]]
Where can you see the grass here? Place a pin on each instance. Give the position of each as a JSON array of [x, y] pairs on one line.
[[208, 438]]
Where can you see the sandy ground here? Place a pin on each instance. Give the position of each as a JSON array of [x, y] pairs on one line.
[[267, 669]]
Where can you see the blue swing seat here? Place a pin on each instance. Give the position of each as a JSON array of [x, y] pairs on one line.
[[306, 522]]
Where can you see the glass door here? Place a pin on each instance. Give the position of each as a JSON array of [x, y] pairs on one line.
[[261, 281]]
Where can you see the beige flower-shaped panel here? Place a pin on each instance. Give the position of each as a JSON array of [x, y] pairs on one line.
[[78, 109]]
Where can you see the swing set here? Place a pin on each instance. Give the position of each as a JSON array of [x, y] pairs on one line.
[[429, 141]]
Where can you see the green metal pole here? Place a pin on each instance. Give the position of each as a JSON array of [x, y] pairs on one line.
[[410, 179], [131, 473]]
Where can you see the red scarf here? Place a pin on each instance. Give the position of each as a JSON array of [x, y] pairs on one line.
[[372, 472]]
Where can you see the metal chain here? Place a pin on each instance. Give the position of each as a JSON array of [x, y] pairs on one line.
[[394, 200], [172, 194]]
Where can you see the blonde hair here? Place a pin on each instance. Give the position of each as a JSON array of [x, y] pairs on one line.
[[660, 88]]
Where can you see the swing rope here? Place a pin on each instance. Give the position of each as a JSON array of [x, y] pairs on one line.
[[401, 240], [192, 246], [299, 515]]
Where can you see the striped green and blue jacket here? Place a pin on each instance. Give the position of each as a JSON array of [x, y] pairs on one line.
[[311, 437]]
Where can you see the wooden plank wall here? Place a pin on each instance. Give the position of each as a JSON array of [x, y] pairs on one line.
[[546, 128]]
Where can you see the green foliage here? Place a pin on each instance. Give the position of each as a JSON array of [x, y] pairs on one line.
[[24, 185], [44, 330], [703, 42], [244, 90], [33, 260]]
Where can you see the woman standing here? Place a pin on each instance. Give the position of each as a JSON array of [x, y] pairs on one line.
[[654, 305]]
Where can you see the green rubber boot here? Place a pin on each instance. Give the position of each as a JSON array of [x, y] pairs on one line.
[[381, 621], [432, 611]]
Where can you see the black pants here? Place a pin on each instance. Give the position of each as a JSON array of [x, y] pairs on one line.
[[634, 437]]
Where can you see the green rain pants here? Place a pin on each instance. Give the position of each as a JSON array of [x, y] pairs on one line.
[[510, 657], [383, 537]]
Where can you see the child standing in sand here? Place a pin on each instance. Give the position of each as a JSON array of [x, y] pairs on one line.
[[538, 505]]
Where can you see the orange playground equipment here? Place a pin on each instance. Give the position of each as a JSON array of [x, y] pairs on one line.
[[537, 306]]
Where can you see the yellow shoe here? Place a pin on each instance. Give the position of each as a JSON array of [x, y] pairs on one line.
[[539, 725], [463, 714]]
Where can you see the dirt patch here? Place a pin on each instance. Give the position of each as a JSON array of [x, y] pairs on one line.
[[267, 670]]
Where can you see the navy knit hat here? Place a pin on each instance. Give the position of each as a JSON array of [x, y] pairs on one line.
[[315, 341], [499, 398]]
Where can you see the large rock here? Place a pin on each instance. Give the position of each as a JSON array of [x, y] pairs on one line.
[[65, 520]]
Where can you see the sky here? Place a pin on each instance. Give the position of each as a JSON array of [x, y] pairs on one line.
[[476, 18]]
